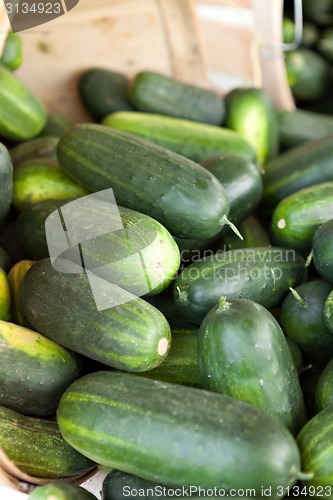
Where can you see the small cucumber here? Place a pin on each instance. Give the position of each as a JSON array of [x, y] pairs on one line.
[[251, 113], [155, 93], [5, 297], [59, 490], [260, 274], [302, 319], [243, 353], [34, 371], [39, 147], [297, 217], [12, 54], [15, 277], [37, 447], [322, 246]]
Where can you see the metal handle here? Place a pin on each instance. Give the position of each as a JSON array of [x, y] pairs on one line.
[[298, 14]]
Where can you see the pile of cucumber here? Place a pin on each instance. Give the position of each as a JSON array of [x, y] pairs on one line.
[[182, 337]]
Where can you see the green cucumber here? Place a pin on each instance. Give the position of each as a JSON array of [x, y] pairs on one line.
[[15, 277], [328, 312], [297, 217], [324, 390], [37, 447], [103, 91], [34, 371], [177, 435], [197, 141], [132, 335], [308, 74], [309, 381], [22, 115], [59, 490], [242, 181], [12, 53], [56, 125], [296, 169], [146, 178], [181, 364], [320, 12], [155, 93], [300, 126], [4, 260], [165, 303], [302, 319], [6, 183], [243, 353], [322, 246], [253, 233], [296, 354], [5, 297], [125, 247], [251, 113], [42, 179], [263, 275], [317, 458], [39, 147]]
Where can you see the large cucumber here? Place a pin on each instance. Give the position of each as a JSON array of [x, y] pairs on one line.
[[118, 329], [243, 353], [34, 371], [197, 141], [260, 274], [6, 182], [146, 178], [37, 447], [178, 435]]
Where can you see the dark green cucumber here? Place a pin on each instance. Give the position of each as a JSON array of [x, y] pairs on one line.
[[39, 147], [322, 246], [146, 178], [6, 183], [317, 460], [252, 231], [296, 354], [60, 490], [242, 181], [125, 247], [302, 319], [328, 312], [4, 260], [243, 353], [177, 435], [181, 364], [197, 141], [308, 74], [5, 297], [251, 113], [15, 277], [37, 447], [155, 93], [320, 12], [296, 169], [324, 390], [56, 125], [42, 179], [132, 335], [12, 54], [260, 274], [22, 115], [300, 126], [34, 371], [297, 217], [103, 91]]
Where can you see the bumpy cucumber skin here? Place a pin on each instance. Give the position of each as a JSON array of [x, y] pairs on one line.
[[296, 169], [181, 435], [155, 93], [37, 447], [243, 353], [242, 181], [297, 217], [324, 390], [132, 336], [328, 312], [261, 274], [34, 371], [305, 322], [146, 178], [60, 490], [6, 182], [196, 141], [251, 113], [322, 246]]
